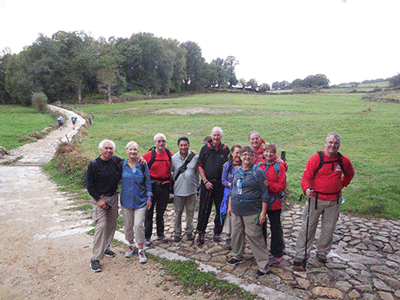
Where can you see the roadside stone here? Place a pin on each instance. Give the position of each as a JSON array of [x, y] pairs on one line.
[[364, 288], [354, 294], [303, 283], [328, 292], [380, 285], [386, 296], [368, 296], [344, 286]]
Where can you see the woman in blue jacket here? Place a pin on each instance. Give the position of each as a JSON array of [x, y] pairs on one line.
[[135, 199]]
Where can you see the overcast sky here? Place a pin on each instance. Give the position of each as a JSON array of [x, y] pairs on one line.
[[347, 40]]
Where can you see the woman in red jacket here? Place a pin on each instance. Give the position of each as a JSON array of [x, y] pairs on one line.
[[275, 173]]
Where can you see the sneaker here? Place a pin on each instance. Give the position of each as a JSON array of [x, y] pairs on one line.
[[190, 237], [147, 243], [322, 258], [142, 257], [109, 253], [95, 265], [177, 238], [277, 260], [260, 274], [234, 261], [228, 244], [200, 239], [131, 251], [163, 239], [217, 238]]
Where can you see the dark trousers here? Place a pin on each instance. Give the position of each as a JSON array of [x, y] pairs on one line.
[[277, 243], [207, 198], [160, 201]]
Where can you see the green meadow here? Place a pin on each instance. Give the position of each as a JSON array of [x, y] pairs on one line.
[[297, 123], [17, 122]]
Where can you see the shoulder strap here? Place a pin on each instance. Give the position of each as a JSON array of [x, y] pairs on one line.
[[153, 157], [143, 167], [340, 162], [184, 166], [321, 161]]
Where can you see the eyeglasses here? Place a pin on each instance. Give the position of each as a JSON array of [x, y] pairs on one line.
[[161, 141]]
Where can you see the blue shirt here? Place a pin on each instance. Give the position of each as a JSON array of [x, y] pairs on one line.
[[134, 191]]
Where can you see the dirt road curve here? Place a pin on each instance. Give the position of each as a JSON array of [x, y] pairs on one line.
[[45, 251]]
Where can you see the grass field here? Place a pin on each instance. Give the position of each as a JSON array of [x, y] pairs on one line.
[[17, 122], [297, 123]]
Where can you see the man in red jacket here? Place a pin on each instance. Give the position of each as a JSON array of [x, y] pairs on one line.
[[326, 173]]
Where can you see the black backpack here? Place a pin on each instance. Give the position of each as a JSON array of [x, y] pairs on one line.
[[153, 155], [322, 162]]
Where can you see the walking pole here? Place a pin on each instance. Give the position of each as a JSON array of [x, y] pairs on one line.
[[208, 193], [308, 221]]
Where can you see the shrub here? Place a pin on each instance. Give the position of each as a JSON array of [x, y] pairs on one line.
[[39, 101]]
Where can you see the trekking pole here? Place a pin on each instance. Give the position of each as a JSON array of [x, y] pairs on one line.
[[308, 221]]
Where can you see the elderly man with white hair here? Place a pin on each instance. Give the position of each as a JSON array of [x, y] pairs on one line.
[[102, 177], [159, 162], [212, 157]]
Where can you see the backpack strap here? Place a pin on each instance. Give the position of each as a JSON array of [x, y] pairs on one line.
[[153, 155], [321, 161], [184, 166]]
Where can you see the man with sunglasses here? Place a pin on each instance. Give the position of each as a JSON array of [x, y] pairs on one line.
[[159, 160]]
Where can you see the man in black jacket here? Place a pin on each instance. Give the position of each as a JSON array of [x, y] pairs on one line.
[[102, 179]]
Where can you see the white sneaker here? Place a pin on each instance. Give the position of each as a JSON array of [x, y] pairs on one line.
[[131, 251], [142, 257]]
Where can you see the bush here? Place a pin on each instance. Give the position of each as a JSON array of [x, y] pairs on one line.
[[39, 101]]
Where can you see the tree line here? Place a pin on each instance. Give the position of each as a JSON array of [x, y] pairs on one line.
[[73, 65]]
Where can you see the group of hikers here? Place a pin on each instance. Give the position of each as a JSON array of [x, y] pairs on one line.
[[246, 184]]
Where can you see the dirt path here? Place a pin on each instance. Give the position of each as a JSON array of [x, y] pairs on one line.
[[45, 250]]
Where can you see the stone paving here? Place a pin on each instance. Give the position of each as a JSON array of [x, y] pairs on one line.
[[364, 262]]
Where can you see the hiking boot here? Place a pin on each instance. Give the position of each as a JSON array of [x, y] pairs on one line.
[[142, 257], [233, 261], [163, 239], [217, 238], [200, 239], [147, 243], [95, 265], [322, 258], [177, 238], [190, 237], [109, 253], [228, 244], [260, 274], [131, 251]]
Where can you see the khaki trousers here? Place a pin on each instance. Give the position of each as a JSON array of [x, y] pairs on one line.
[[106, 220], [134, 223], [179, 203], [245, 226], [329, 212]]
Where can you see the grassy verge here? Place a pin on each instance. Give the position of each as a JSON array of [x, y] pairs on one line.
[[20, 125]]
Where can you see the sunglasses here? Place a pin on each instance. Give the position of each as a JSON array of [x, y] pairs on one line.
[[161, 141]]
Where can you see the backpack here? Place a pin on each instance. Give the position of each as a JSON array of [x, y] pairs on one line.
[[322, 162], [276, 165], [153, 155]]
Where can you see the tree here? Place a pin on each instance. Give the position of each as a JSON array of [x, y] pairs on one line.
[[229, 65], [395, 80], [284, 85], [276, 85], [4, 96], [39, 101], [264, 88], [242, 83], [222, 76], [253, 84], [106, 75], [195, 79], [297, 83]]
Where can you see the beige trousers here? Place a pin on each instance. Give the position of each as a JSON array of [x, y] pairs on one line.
[[106, 220], [245, 226], [134, 223], [329, 212], [180, 202]]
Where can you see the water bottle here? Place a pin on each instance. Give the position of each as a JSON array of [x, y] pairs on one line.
[[239, 186]]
